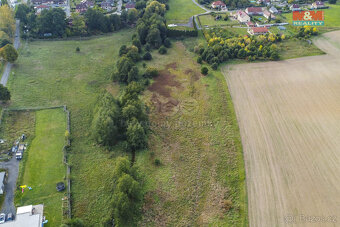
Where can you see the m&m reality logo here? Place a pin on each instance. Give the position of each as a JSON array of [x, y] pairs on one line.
[[309, 18]]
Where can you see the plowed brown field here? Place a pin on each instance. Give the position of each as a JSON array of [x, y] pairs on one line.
[[289, 118]]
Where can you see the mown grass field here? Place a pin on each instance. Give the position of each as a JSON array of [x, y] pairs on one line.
[[43, 166], [195, 136], [210, 21], [295, 48], [53, 73], [332, 16], [181, 10]]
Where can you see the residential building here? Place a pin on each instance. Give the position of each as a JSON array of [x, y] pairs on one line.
[[254, 11], [258, 31], [106, 5], [130, 5], [84, 5], [242, 17], [273, 10], [318, 5], [268, 15], [295, 7], [31, 215], [219, 5], [250, 24]]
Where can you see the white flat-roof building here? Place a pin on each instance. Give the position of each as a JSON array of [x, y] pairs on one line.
[[31, 215]]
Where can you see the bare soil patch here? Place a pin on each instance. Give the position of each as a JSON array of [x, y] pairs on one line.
[[289, 119]]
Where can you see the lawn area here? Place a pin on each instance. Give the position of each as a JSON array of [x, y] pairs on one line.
[[332, 16], [295, 48], [181, 10], [50, 73], [201, 179], [44, 165], [210, 21]]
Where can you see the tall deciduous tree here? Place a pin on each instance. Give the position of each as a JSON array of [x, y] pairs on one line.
[[9, 53], [7, 22], [5, 95]]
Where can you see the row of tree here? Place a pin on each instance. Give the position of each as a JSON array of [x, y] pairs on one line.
[[221, 50], [53, 22]]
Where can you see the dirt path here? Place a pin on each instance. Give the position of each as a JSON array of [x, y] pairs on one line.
[[289, 118]]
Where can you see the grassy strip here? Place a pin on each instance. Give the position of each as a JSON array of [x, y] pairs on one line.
[[181, 10], [50, 73], [44, 165]]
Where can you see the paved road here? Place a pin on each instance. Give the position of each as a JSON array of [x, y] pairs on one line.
[[13, 169], [8, 66], [202, 7]]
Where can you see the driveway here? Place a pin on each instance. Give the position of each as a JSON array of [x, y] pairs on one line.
[[13, 169], [8, 66]]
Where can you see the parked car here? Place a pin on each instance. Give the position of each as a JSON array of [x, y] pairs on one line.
[[9, 217], [2, 218], [60, 186]]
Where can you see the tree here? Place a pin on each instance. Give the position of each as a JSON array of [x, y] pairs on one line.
[[7, 22], [133, 74], [332, 1], [9, 53], [132, 15], [97, 21], [136, 135], [142, 31], [76, 222], [124, 65], [5, 95], [154, 37], [133, 54], [147, 56], [115, 21], [204, 70], [162, 50], [21, 13], [167, 43], [154, 7], [78, 24], [128, 193], [106, 123], [137, 44], [52, 21], [123, 50]]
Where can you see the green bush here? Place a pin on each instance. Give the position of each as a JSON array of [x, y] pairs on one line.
[[157, 162], [204, 70], [147, 56], [162, 50]]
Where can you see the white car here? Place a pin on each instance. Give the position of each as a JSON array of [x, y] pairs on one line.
[[2, 218]]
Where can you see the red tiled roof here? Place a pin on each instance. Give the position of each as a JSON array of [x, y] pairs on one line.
[[219, 3], [259, 29], [254, 9]]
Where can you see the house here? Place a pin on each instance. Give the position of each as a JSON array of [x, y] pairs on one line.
[[265, 2], [83, 6], [218, 5], [250, 24], [254, 11], [242, 17], [273, 10], [295, 7], [318, 5], [268, 15], [108, 6], [40, 8], [2, 182], [130, 5], [258, 31], [31, 215]]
